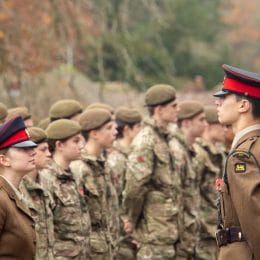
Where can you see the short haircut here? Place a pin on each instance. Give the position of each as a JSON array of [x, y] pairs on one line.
[[120, 127], [255, 102]]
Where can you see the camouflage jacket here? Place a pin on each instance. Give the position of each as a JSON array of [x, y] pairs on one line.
[[40, 204], [116, 166], [70, 212], [183, 158], [150, 195], [90, 170], [209, 169]]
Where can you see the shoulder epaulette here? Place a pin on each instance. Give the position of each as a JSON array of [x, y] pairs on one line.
[[248, 144]]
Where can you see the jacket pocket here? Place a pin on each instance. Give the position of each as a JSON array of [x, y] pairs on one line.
[[226, 203]]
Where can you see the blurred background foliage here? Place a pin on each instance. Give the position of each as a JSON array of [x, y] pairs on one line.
[[139, 42]]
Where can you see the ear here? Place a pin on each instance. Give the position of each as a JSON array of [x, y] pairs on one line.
[[186, 123], [93, 134], [58, 145], [4, 160], [244, 106], [157, 110]]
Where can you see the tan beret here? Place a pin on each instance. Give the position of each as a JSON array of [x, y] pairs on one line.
[[65, 108], [101, 105], [211, 114], [44, 123], [3, 111], [189, 109], [159, 95], [94, 118], [62, 129], [19, 111], [128, 115], [37, 135]]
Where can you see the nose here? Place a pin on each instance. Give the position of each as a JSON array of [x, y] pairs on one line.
[[217, 102], [32, 152]]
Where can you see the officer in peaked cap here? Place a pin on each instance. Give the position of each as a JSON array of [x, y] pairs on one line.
[[65, 109], [238, 105], [17, 236]]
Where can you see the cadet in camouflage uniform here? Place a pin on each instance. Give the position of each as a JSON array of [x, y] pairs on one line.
[[70, 211], [39, 200], [99, 131], [150, 195], [211, 156], [128, 125], [66, 109], [190, 125]]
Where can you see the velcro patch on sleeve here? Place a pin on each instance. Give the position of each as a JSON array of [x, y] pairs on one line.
[[240, 167]]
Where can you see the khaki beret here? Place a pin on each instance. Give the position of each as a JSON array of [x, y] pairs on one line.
[[94, 118], [189, 109], [3, 111], [37, 135], [159, 94], [44, 123], [128, 115], [62, 128], [65, 108], [211, 114], [101, 105], [19, 111]]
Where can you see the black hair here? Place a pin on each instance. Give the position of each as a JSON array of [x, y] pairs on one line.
[[52, 143], [120, 127], [152, 107], [255, 102]]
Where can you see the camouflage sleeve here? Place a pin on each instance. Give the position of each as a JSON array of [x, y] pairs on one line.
[[138, 174], [84, 176], [188, 207]]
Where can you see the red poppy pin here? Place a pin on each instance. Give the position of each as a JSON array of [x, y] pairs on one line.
[[218, 183], [140, 158], [81, 191]]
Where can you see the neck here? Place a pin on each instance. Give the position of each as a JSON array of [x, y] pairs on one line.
[[61, 161], [207, 137], [188, 137], [93, 148], [158, 122], [125, 142], [244, 122], [33, 175], [13, 177]]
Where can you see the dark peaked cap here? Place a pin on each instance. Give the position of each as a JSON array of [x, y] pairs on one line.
[[240, 81], [13, 133]]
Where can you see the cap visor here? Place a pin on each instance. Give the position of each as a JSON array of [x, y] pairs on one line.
[[25, 144], [221, 93]]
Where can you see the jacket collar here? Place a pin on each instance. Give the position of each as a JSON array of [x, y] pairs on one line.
[[13, 196], [244, 134]]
